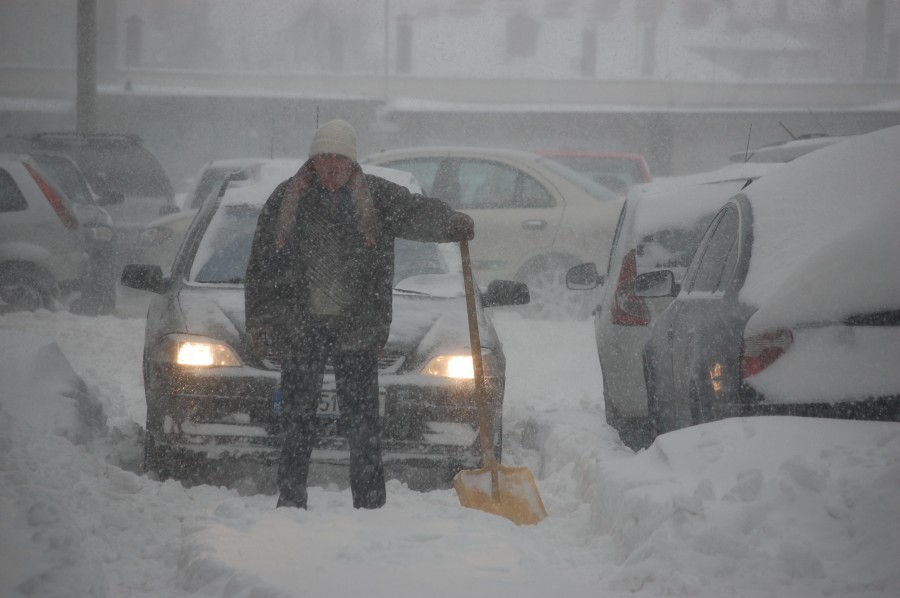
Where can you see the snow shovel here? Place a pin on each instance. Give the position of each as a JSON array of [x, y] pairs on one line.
[[506, 491]]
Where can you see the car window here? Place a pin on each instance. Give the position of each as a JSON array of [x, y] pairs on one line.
[[716, 253], [616, 173], [116, 166], [592, 187], [11, 198], [67, 177], [483, 184], [671, 247], [423, 169]]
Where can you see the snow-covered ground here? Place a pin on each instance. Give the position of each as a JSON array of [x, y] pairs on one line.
[[744, 507]]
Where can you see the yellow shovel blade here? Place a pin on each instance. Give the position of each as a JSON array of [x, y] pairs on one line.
[[518, 498]]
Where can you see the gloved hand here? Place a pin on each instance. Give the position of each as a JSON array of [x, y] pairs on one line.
[[462, 227]]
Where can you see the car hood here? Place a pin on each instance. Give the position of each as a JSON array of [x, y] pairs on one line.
[[422, 326]]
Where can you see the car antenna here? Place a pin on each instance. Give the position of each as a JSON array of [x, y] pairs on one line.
[[317, 117], [794, 137], [747, 151]]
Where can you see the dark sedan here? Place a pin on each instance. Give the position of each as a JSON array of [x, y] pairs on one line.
[[210, 398]]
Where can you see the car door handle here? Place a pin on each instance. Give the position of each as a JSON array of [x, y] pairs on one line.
[[534, 224]]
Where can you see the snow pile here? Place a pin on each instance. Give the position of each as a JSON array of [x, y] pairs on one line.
[[775, 505]]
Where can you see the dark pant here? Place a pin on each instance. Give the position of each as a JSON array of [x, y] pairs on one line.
[[356, 378]]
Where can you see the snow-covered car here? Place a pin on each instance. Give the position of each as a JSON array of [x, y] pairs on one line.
[[42, 244], [619, 171], [660, 227], [209, 396], [791, 304], [534, 218]]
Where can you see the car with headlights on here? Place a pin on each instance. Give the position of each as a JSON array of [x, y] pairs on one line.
[[535, 217], [211, 399], [791, 303]]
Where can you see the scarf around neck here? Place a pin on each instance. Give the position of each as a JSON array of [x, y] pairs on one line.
[[304, 181]]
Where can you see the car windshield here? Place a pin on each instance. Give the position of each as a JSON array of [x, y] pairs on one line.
[[224, 250], [618, 174], [595, 189], [65, 174], [119, 167]]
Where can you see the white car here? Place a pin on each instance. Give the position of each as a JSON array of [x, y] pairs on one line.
[[660, 227], [534, 218], [42, 247]]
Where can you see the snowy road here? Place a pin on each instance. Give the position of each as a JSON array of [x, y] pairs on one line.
[[750, 507]]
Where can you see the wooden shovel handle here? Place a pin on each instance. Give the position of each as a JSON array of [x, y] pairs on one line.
[[484, 422]]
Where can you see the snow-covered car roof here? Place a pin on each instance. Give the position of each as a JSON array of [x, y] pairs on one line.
[[821, 228], [680, 201], [784, 152]]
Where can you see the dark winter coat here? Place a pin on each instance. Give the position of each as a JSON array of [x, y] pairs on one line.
[[277, 285]]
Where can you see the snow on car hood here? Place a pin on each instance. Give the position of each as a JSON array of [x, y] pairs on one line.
[[854, 274], [808, 203], [421, 324]]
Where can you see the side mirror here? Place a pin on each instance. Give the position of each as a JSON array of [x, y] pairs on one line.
[[111, 199], [583, 277], [169, 208], [659, 283], [505, 292], [144, 277]]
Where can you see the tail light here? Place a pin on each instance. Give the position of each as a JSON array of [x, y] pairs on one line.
[[761, 351], [628, 309], [56, 202]]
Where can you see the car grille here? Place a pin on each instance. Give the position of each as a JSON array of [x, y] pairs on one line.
[[388, 362]]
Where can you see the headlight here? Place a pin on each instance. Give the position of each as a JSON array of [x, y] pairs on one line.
[[187, 351], [456, 366]]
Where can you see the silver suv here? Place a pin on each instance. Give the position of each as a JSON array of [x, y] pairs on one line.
[[42, 242]]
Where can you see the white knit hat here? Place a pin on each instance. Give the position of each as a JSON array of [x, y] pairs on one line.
[[334, 137]]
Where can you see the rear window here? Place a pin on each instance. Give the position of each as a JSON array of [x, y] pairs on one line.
[[618, 174], [112, 165], [672, 247], [66, 176]]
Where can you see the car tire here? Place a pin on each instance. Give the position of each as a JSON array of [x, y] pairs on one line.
[[550, 298], [23, 289]]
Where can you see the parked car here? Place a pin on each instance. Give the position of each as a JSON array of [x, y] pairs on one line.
[[534, 218], [98, 288], [790, 304], [660, 227], [225, 405], [41, 239], [117, 166], [618, 171]]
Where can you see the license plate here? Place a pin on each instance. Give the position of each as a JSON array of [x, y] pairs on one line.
[[328, 404]]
